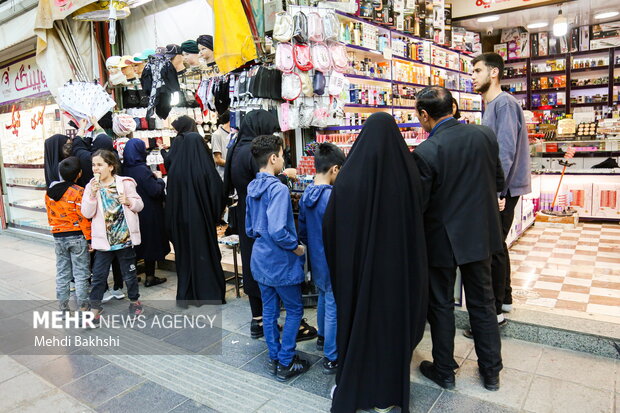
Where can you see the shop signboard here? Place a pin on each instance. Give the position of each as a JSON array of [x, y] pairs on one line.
[[468, 8], [21, 79]]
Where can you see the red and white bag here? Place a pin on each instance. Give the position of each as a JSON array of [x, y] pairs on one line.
[[315, 27], [301, 54], [339, 57], [284, 57], [291, 86], [320, 58]]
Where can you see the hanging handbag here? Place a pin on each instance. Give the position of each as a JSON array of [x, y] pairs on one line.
[[306, 84], [318, 83], [285, 61], [301, 53], [330, 26], [315, 27], [339, 57], [300, 32], [320, 58], [283, 28], [291, 86]]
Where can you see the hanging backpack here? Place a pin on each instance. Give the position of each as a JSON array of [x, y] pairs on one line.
[[320, 58], [315, 27], [301, 53], [283, 28], [300, 32], [318, 83], [291, 86], [284, 57], [339, 57], [330, 26]]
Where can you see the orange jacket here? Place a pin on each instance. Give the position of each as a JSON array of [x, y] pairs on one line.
[[65, 215]]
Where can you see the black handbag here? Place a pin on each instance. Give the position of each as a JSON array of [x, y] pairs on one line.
[[131, 98], [233, 226]]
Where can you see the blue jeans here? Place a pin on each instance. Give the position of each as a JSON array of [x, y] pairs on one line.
[[291, 298], [72, 261], [326, 318], [101, 269]]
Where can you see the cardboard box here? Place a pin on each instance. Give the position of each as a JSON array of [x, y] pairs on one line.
[[606, 201], [502, 50]]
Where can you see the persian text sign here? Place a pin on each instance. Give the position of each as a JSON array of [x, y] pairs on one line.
[[463, 8], [21, 79]]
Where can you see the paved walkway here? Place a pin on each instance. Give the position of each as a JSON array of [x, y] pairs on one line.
[[536, 378]]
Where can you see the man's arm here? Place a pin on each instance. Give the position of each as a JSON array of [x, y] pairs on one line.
[[427, 176], [507, 131]]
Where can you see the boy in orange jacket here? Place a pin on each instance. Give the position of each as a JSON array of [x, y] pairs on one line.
[[71, 233]]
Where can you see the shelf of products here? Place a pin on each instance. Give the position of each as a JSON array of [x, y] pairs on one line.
[[35, 188], [23, 166], [37, 209]]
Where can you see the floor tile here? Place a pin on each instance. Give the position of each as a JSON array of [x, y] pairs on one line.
[[191, 406], [455, 402], [101, 385], [549, 395], [422, 398], [147, 397], [512, 392], [9, 368], [570, 296], [68, 368], [196, 339], [22, 390], [518, 355], [236, 349], [54, 401], [314, 381], [561, 364]]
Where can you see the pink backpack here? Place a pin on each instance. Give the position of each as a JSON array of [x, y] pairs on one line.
[[301, 53], [339, 57], [315, 27], [284, 57], [320, 58]]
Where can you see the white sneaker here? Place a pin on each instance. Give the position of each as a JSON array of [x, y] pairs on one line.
[[506, 308], [107, 296], [118, 294], [331, 394]]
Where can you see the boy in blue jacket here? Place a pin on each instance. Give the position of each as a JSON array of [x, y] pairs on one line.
[[327, 161], [276, 261]]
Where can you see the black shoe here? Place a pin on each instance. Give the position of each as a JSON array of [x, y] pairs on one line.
[[151, 281], [306, 331], [491, 383], [320, 343], [467, 333], [297, 367], [428, 370], [272, 367], [256, 329], [330, 367]]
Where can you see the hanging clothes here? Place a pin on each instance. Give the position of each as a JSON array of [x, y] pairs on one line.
[[52, 155], [233, 40], [193, 208], [159, 80], [376, 252]]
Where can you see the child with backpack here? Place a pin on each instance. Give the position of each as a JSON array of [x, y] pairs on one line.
[[276, 260], [71, 232], [113, 204], [327, 161]]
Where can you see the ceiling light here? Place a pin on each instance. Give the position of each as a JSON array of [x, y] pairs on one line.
[[488, 19], [560, 25], [606, 15], [537, 25]]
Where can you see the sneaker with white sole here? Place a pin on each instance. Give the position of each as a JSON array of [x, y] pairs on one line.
[[107, 296], [118, 294]]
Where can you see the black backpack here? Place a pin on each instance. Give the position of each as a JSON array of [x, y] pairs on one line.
[[300, 24]]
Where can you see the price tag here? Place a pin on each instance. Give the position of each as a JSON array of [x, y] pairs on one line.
[[387, 53]]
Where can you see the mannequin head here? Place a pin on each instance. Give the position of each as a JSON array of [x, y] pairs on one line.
[[190, 52], [128, 70], [205, 47], [115, 66], [173, 53]]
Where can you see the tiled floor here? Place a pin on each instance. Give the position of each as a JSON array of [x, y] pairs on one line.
[[577, 270]]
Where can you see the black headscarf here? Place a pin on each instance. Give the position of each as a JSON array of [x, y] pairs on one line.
[[102, 141], [52, 155], [193, 208], [206, 40], [376, 252], [184, 124]]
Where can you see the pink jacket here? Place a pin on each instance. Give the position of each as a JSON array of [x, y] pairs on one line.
[[91, 208]]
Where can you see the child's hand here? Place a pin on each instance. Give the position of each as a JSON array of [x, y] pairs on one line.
[[502, 203], [94, 186], [158, 174], [124, 200], [291, 173], [300, 250]]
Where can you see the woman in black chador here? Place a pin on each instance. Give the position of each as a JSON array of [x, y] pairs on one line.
[[375, 248], [194, 205]]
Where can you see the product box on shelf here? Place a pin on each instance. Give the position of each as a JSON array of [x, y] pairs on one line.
[[543, 44], [606, 201], [581, 197]]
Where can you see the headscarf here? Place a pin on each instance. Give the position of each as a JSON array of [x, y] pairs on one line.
[[373, 233], [102, 141], [184, 124], [52, 155], [206, 40], [134, 153], [189, 46]]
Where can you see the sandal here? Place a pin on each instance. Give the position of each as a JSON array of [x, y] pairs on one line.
[[306, 331], [149, 282]]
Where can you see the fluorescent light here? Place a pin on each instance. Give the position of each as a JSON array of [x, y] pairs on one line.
[[606, 15], [537, 25], [560, 25], [488, 19]]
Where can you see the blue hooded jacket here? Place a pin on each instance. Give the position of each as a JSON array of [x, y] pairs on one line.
[[311, 210], [269, 220]]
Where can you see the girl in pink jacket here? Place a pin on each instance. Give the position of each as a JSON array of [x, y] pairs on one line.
[[113, 204]]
